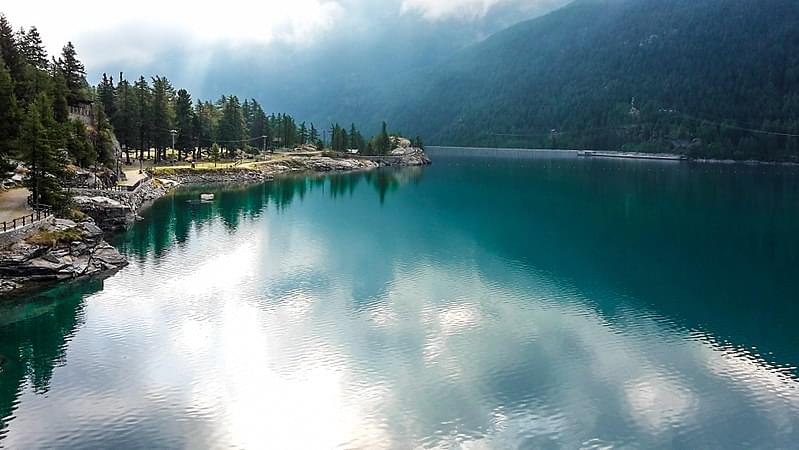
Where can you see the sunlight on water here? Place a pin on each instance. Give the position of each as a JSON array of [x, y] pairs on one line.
[[415, 309]]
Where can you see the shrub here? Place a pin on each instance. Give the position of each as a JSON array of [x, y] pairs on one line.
[[53, 238]]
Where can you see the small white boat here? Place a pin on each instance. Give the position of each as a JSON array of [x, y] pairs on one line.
[[207, 197]]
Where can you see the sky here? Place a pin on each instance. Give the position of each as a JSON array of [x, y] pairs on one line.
[[309, 58], [104, 35]]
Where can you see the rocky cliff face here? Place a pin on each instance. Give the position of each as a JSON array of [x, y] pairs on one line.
[[62, 250]]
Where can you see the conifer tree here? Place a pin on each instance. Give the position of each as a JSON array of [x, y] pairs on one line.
[[9, 49], [102, 139], [353, 144], [124, 116], [184, 122], [59, 93], [32, 48], [105, 93], [142, 120], [383, 140], [303, 134], [231, 126], [9, 114], [38, 138], [78, 144], [163, 115], [344, 140], [257, 123], [74, 73]]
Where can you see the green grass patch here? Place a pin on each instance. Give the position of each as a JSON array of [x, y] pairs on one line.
[[53, 238], [167, 171]]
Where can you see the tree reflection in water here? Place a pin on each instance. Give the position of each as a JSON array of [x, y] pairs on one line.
[[34, 334], [171, 222]]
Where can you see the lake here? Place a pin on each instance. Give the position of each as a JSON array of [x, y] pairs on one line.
[[493, 300]]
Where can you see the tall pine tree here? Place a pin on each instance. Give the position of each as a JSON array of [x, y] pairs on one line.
[[184, 122], [38, 140], [32, 48], [9, 114], [74, 73]]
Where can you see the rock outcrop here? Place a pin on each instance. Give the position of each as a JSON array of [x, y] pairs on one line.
[[410, 156], [325, 164], [117, 210], [109, 214], [63, 250]]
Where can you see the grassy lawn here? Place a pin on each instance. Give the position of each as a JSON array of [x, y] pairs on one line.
[[210, 166], [132, 171]]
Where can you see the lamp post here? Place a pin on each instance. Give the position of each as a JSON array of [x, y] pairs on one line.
[[173, 133], [119, 156]]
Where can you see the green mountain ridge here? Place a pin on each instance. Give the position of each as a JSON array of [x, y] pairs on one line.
[[699, 71]]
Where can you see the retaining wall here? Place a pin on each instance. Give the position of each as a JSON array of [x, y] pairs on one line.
[[11, 237]]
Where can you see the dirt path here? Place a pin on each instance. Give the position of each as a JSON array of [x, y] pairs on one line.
[[14, 204]]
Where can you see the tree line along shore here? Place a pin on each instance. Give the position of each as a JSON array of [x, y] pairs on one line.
[[58, 131], [93, 156]]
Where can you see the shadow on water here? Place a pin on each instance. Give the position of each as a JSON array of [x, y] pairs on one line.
[[34, 335]]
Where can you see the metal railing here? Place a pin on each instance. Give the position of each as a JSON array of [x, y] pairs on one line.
[[114, 188], [41, 213]]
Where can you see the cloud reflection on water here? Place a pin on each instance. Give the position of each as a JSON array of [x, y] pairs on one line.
[[280, 342]]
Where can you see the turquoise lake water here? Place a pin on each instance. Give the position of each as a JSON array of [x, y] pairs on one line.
[[493, 300]]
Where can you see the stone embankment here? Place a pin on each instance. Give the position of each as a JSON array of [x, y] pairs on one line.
[[117, 210], [60, 250], [315, 164], [212, 176]]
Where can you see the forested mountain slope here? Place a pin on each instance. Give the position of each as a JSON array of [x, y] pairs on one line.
[[700, 72]]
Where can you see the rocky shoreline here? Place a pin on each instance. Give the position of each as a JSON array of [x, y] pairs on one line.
[[61, 250], [58, 251]]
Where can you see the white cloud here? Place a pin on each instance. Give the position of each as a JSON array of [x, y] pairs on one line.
[[135, 29], [470, 9], [440, 9]]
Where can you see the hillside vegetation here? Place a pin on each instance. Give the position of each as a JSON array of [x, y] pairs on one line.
[[712, 78]]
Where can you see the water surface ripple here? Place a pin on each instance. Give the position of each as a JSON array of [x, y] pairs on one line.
[[531, 301]]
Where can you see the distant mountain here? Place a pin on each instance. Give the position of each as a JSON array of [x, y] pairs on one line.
[[700, 71]]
